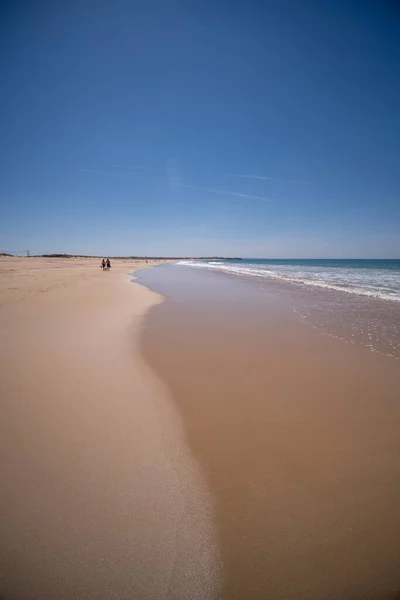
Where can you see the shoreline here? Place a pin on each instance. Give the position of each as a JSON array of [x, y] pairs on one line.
[[101, 497], [296, 432]]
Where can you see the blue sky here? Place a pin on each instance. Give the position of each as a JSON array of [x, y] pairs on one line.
[[264, 129]]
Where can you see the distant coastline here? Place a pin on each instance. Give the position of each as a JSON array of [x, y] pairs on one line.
[[130, 257]]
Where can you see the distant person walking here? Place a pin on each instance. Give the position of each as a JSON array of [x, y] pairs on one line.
[[108, 264], [103, 264]]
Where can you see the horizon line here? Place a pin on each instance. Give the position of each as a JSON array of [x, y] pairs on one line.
[[4, 253]]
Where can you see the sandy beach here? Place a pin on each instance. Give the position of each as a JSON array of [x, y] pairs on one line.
[[100, 495], [187, 435], [296, 431]]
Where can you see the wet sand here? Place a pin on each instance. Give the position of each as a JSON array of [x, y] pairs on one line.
[[100, 496], [297, 434]]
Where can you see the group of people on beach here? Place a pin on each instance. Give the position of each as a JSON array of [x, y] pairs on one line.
[[105, 264]]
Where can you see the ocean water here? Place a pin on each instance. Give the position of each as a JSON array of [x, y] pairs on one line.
[[357, 301], [373, 278]]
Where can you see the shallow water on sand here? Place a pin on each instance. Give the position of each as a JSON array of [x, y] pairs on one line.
[[295, 431], [363, 319]]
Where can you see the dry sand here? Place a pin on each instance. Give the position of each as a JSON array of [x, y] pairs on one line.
[[100, 497]]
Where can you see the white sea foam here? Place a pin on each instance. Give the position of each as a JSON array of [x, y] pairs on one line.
[[377, 283]]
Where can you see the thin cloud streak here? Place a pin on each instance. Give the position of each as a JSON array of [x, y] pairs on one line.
[[225, 192], [260, 177], [242, 176]]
